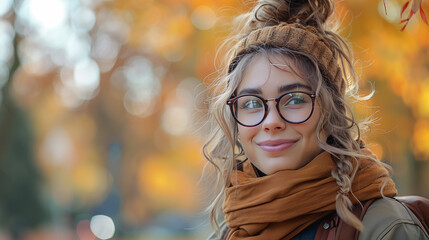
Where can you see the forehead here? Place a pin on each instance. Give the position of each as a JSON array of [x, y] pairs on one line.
[[270, 72]]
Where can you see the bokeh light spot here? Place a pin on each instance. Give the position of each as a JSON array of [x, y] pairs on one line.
[[5, 6], [175, 120], [51, 14], [5, 42], [77, 48], [65, 89], [58, 147], [6, 37], [142, 85], [33, 58], [86, 78], [138, 104], [102, 226], [105, 47], [174, 56], [203, 18], [83, 19]]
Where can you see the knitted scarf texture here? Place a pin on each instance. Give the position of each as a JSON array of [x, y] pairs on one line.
[[281, 205]]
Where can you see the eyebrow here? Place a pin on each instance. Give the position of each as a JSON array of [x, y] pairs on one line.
[[283, 88], [294, 86]]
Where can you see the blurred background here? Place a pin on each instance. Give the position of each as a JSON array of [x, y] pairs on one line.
[[101, 103]]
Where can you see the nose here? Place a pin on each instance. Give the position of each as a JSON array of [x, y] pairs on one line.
[[273, 122]]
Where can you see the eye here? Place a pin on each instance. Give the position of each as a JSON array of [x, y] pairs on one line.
[[252, 104], [249, 103], [297, 99]]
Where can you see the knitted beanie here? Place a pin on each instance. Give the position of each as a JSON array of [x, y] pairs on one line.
[[295, 37]]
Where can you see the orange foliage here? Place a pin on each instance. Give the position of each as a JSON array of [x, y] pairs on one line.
[[165, 186]]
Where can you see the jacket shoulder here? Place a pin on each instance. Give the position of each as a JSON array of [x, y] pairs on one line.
[[387, 218]]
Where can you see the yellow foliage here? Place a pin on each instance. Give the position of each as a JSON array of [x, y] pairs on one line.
[[165, 184], [421, 139], [423, 100], [89, 181]]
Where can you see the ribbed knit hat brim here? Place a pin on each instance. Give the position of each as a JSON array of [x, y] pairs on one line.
[[296, 37]]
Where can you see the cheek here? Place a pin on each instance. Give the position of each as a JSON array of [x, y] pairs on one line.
[[245, 137], [246, 134], [311, 127]]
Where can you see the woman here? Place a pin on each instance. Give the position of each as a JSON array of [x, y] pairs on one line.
[[285, 148]]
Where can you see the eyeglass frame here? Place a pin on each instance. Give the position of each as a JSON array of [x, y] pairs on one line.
[[231, 101]]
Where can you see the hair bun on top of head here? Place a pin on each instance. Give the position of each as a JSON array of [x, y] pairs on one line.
[[307, 12]]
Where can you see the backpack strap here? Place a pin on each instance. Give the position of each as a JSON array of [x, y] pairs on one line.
[[419, 206], [332, 227]]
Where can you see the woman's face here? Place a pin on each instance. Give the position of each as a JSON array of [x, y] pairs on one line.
[[275, 144]]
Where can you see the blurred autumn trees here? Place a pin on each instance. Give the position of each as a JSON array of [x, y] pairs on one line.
[[21, 205], [107, 101], [397, 63]]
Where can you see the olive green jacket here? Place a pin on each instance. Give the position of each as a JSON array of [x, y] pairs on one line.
[[385, 219]]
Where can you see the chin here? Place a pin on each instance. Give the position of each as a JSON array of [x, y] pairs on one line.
[[280, 166]]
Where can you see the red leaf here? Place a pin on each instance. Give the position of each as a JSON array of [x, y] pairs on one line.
[[402, 29], [411, 14], [404, 20], [385, 8], [423, 15], [404, 7]]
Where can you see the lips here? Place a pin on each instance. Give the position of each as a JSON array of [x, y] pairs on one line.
[[274, 146]]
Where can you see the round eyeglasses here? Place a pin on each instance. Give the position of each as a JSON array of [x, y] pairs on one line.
[[250, 110]]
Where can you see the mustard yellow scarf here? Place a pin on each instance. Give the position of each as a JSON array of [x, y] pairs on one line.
[[281, 205]]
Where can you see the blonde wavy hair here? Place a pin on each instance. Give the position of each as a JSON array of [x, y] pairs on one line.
[[337, 132]]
